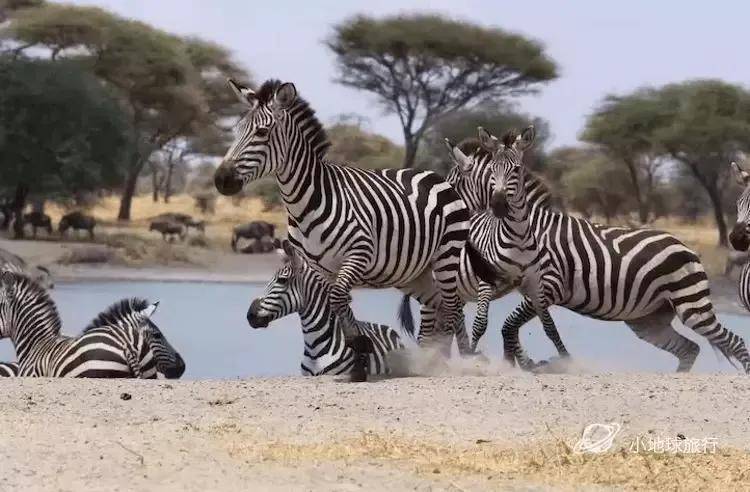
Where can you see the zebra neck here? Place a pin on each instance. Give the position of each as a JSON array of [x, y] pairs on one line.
[[320, 327], [36, 323], [301, 179]]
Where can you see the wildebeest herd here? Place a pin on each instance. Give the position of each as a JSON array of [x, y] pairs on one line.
[[485, 230]]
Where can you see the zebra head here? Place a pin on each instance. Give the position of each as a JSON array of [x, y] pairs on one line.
[[261, 141], [469, 176], [508, 173], [135, 314], [740, 235], [169, 362], [284, 293]]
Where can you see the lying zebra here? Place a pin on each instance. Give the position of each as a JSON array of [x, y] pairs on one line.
[[121, 342], [297, 287]]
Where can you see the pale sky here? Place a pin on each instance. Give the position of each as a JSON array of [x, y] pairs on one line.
[[600, 46]]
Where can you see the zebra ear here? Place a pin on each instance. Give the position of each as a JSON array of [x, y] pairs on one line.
[[740, 176], [526, 139], [463, 162], [244, 94], [285, 96], [488, 142], [149, 311]]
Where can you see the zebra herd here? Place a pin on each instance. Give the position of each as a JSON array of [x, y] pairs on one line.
[[487, 229]]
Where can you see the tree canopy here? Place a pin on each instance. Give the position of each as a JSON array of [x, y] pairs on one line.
[[166, 84], [701, 124], [422, 67], [62, 133]]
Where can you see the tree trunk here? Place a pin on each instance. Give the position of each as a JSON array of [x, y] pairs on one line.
[[642, 205], [168, 182], [129, 190], [19, 203], [155, 185], [410, 148], [715, 195]]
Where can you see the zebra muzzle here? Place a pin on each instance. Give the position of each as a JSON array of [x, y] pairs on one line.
[[255, 319], [738, 238], [225, 180]]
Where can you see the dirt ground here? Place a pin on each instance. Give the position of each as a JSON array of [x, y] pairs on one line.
[[507, 432]]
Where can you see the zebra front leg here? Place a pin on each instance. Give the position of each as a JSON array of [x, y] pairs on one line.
[[479, 327], [350, 274], [512, 349], [551, 330]]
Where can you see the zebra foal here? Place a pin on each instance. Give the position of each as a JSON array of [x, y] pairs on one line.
[[121, 342], [298, 288]]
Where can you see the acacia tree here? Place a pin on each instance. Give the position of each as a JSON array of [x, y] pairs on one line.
[[422, 67], [62, 134], [624, 126], [165, 83]]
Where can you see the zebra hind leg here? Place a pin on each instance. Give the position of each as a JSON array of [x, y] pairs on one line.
[[658, 331], [512, 349]]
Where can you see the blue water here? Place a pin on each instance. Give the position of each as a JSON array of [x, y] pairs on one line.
[[206, 323]]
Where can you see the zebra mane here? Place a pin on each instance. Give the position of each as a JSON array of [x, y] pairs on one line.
[[509, 138], [116, 312], [302, 112], [23, 282]]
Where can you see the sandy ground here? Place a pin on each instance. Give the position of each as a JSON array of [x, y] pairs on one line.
[[507, 432]]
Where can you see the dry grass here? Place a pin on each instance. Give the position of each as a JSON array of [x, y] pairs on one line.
[[702, 237], [552, 463]]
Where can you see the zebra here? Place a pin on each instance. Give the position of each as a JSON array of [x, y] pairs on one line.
[[739, 237], [8, 369], [642, 277], [471, 288], [392, 228], [120, 342], [14, 263], [297, 287]]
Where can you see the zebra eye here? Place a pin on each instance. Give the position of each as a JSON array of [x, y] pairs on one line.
[[283, 280], [262, 131]]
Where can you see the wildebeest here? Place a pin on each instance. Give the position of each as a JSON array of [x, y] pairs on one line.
[[38, 220], [257, 229], [169, 229], [78, 221], [264, 245], [184, 219]]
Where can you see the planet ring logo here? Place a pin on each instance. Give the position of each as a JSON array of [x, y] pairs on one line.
[[597, 438]]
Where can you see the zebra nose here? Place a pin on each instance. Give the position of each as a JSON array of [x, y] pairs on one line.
[[738, 237], [225, 180], [499, 204], [253, 318]]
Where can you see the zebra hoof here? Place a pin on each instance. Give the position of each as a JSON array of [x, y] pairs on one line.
[[361, 344], [358, 373]]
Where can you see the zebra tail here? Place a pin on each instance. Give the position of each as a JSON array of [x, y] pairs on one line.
[[483, 269], [405, 317]]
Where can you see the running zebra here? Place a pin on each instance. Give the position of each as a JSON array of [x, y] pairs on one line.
[[8, 369], [739, 238], [642, 277], [393, 228], [121, 342], [471, 288], [14, 263], [298, 288]]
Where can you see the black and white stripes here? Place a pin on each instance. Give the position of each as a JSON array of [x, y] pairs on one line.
[[642, 277], [297, 288], [393, 228], [120, 342]]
